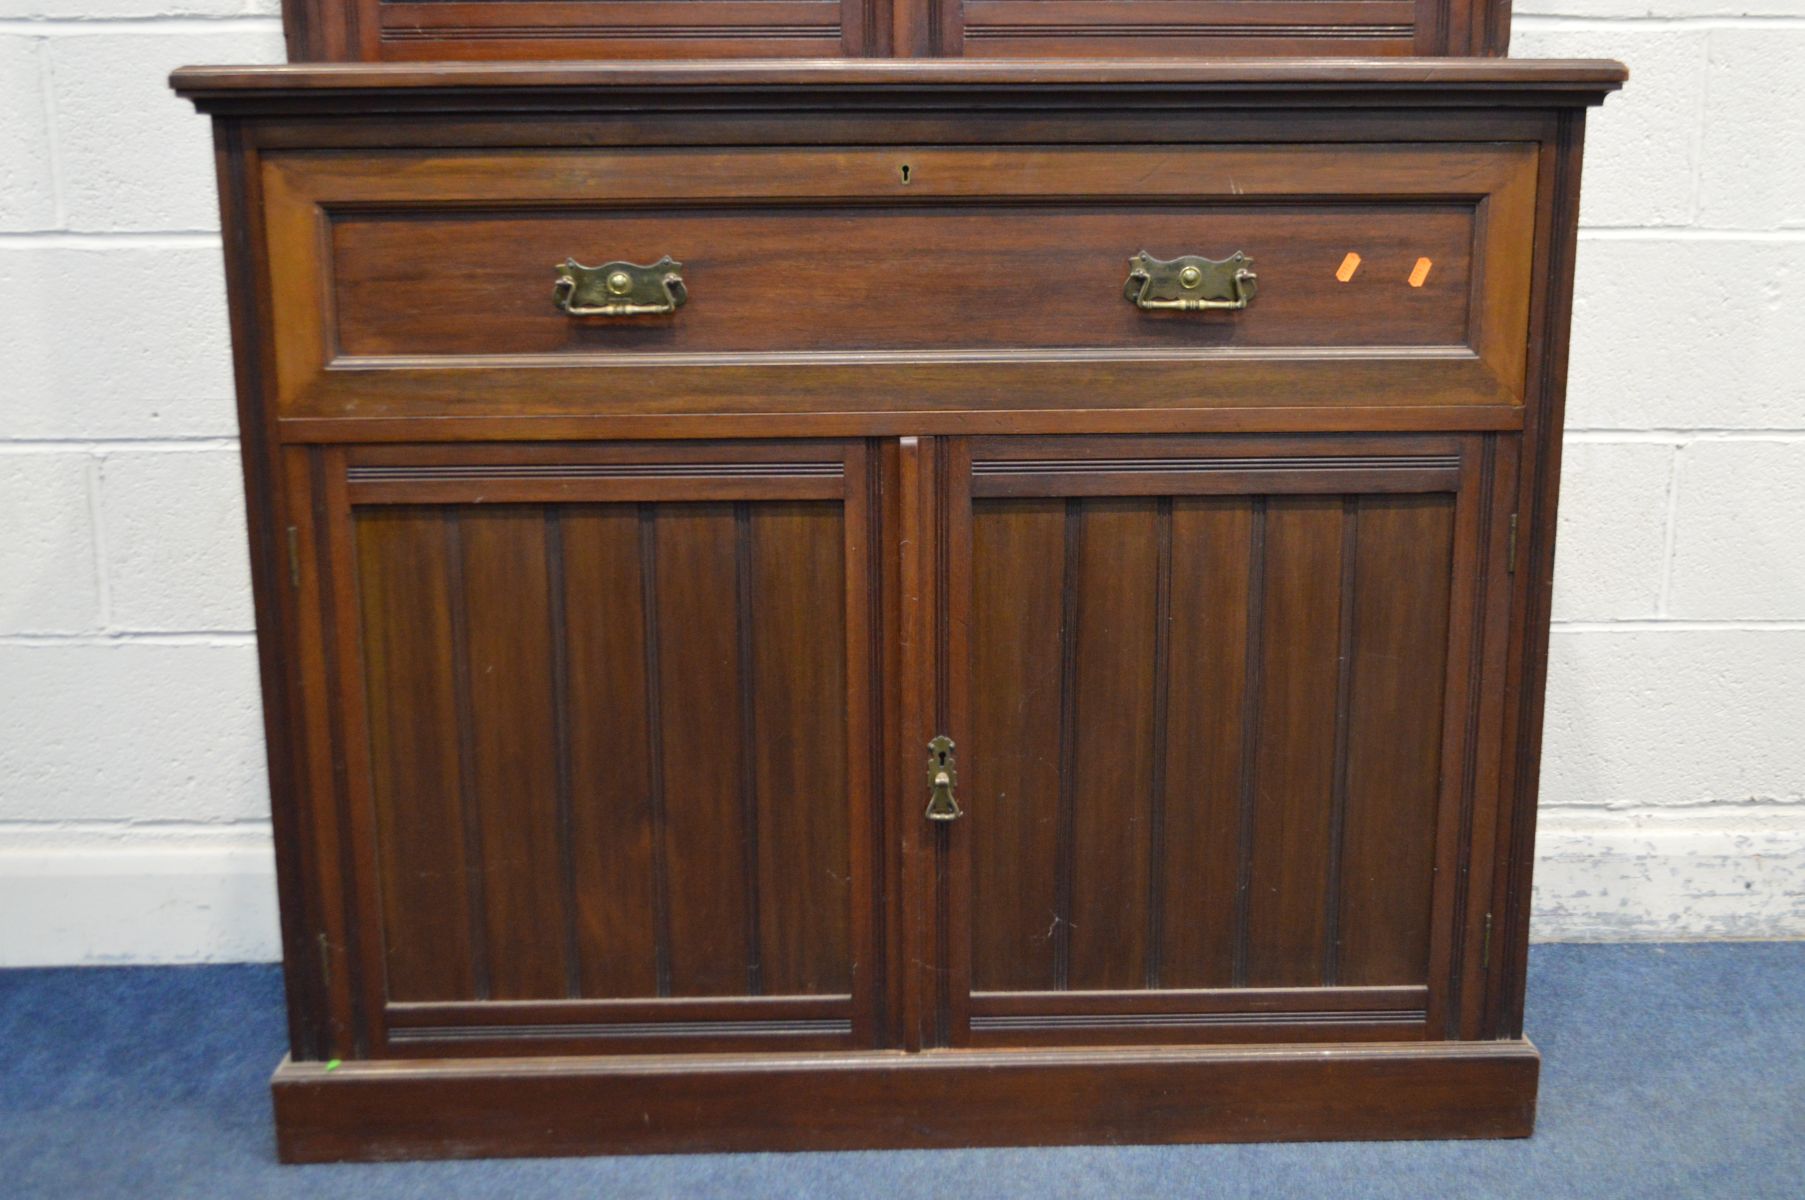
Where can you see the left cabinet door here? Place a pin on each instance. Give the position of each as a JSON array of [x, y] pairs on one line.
[[592, 733]]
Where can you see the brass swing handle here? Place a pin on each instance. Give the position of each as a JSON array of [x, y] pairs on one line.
[[1190, 283], [620, 289]]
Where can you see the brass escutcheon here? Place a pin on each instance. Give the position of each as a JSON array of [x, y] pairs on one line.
[[943, 773]]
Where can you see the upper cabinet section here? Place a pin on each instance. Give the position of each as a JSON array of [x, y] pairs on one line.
[[436, 30], [1201, 28], [476, 30]]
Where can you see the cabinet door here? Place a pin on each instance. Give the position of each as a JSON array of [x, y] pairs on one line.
[[1222, 715], [604, 724]]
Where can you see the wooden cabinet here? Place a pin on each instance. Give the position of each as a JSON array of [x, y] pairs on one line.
[[622, 657]]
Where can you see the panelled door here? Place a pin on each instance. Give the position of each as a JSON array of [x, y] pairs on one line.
[[1220, 710], [606, 719]]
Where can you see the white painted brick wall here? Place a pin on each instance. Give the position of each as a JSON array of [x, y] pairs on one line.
[[131, 776], [188, 574]]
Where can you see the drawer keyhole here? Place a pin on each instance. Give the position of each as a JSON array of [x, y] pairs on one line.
[[905, 173]]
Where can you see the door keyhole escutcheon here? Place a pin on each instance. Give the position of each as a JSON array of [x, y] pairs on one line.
[[943, 773]]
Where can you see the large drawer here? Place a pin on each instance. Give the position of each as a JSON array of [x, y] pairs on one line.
[[881, 279]]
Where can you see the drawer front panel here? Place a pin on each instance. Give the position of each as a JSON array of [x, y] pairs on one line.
[[947, 279], [894, 278]]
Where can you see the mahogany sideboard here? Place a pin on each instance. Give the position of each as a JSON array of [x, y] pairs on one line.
[[819, 605]]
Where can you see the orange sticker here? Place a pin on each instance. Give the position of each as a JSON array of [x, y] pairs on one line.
[[1348, 266], [1420, 272]]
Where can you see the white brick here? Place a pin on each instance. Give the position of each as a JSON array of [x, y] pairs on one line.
[[176, 557], [27, 195], [123, 342], [1642, 146], [1613, 526], [1671, 334], [133, 155], [130, 731], [48, 577], [1739, 546], [1754, 146], [1652, 718]]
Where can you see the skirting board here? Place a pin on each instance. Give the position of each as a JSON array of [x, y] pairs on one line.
[[87, 898], [474, 1108]]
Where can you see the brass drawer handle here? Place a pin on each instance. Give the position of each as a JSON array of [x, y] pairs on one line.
[[1190, 283], [620, 289]]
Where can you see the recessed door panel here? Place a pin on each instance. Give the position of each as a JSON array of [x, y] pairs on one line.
[[618, 742]]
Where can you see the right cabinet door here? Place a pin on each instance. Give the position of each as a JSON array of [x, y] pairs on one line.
[[1225, 712]]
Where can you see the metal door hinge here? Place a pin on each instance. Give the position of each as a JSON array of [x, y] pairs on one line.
[[1510, 548], [943, 773], [325, 963], [294, 557], [1485, 944]]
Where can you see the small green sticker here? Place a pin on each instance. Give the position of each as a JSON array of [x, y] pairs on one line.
[[332, 1064]]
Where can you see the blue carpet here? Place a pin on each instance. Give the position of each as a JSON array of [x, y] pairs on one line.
[[1668, 1071]]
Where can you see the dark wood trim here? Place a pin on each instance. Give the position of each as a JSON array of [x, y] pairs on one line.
[[1156, 740], [954, 652], [661, 894], [1065, 820], [883, 423], [1105, 124], [1238, 1001], [1338, 781], [918, 708], [369, 88], [633, 1105], [1250, 737], [868, 913], [744, 631], [1558, 239], [671, 1025], [304, 934], [559, 637]]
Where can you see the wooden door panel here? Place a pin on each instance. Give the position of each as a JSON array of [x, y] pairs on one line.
[[1197, 826], [1397, 650], [1018, 553], [622, 938], [1202, 752], [403, 567], [703, 751], [1288, 811], [611, 743]]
